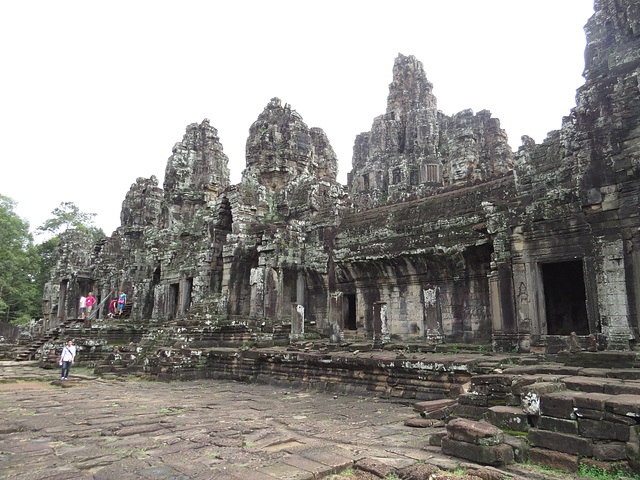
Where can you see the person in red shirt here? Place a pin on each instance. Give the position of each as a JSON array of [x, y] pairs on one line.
[[90, 301]]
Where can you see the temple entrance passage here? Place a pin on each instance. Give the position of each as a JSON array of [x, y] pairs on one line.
[[349, 311], [174, 300], [565, 298], [62, 299]]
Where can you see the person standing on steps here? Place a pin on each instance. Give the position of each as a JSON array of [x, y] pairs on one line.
[[121, 301], [82, 303], [67, 357], [90, 301]]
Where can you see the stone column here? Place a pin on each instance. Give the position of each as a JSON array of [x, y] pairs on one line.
[[257, 292], [336, 322], [300, 289], [504, 335], [380, 327], [432, 318], [612, 295], [297, 322]]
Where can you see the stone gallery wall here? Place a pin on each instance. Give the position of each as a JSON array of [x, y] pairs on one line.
[[442, 232]]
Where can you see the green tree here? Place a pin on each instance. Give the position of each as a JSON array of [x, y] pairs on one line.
[[68, 215], [19, 265]]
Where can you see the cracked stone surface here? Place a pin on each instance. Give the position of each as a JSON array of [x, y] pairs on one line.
[[89, 427]]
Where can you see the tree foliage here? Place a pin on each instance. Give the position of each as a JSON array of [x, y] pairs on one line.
[[19, 265], [68, 215]]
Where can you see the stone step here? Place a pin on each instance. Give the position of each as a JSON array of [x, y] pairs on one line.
[[476, 441], [611, 386], [433, 408], [507, 418], [562, 370]]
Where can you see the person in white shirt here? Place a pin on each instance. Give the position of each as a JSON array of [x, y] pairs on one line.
[[67, 357], [82, 303]]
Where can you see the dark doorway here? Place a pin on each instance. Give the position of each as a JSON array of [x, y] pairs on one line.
[[62, 299], [349, 310], [149, 302], [565, 298], [174, 299]]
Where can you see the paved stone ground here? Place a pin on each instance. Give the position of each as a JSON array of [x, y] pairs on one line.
[[93, 428], [89, 427]]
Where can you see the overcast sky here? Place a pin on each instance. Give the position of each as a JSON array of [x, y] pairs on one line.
[[95, 94]]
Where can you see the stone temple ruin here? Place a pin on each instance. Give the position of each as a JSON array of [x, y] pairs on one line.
[[442, 234], [443, 240]]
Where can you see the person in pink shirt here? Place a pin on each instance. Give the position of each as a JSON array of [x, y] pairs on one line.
[[90, 301]]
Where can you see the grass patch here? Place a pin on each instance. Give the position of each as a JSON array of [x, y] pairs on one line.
[[598, 473]]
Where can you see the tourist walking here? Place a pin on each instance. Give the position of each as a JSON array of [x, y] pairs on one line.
[[83, 305], [121, 301], [67, 357]]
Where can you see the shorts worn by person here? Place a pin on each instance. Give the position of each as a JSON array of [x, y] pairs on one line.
[[90, 301], [82, 304], [67, 357]]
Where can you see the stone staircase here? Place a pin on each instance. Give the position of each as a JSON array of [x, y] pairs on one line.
[[126, 311], [561, 415], [27, 352]]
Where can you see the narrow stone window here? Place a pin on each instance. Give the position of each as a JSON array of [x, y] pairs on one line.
[[396, 176], [414, 177], [433, 173]]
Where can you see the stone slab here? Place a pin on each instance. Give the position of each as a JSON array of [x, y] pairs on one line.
[[592, 401], [603, 430], [507, 418], [552, 459], [530, 396], [558, 425], [627, 405], [485, 454], [559, 404], [560, 442], [478, 433], [610, 452]]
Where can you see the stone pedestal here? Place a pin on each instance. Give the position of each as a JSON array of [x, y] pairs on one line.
[[336, 326], [297, 322], [380, 327]]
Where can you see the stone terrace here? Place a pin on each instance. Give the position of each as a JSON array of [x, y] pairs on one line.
[[91, 428]]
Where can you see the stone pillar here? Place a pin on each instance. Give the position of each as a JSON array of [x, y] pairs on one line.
[[300, 289], [504, 335], [612, 295], [297, 322], [380, 327], [336, 326], [257, 292], [432, 316]]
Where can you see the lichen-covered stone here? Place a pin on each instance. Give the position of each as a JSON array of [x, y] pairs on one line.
[[442, 233]]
